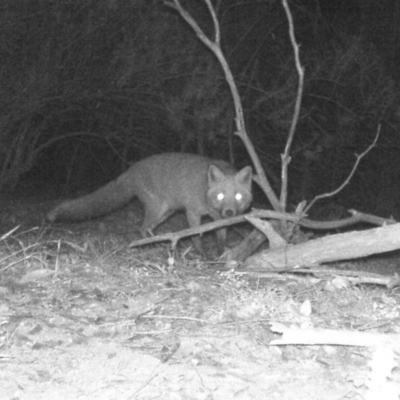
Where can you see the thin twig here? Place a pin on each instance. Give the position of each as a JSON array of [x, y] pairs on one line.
[[351, 174]]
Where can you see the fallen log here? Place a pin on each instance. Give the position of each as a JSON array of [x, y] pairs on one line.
[[343, 246]]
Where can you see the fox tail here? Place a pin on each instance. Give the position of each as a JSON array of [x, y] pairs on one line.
[[106, 199]]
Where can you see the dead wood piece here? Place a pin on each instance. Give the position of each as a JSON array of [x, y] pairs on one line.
[[250, 244], [314, 275], [292, 335], [344, 246]]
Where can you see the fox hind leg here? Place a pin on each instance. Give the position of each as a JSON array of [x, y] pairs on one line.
[[154, 215]]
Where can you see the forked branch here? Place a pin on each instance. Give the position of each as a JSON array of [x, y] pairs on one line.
[[359, 157], [215, 47]]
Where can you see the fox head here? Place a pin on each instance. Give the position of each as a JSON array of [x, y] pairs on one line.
[[229, 194]]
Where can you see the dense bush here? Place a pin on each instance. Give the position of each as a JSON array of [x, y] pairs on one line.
[[92, 85]]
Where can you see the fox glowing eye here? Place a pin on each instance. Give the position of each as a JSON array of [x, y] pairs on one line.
[[220, 196], [238, 197]]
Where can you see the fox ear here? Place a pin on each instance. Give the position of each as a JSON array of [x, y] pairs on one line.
[[245, 176], [215, 174]]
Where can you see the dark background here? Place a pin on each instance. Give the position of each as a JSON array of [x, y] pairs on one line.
[[89, 86]]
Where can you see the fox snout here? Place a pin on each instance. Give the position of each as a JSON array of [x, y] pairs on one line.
[[228, 213]]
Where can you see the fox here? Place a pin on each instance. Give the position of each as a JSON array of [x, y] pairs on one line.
[[164, 184]]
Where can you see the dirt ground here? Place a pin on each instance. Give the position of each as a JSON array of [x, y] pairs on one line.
[[82, 316]]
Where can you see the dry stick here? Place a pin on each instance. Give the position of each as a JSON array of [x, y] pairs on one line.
[[291, 335], [215, 47], [302, 275], [359, 158], [9, 233], [174, 237], [286, 155]]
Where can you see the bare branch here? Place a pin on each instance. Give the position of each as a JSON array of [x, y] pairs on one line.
[[286, 155]]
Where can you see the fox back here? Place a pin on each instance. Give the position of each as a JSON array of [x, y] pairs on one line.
[[166, 183]]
